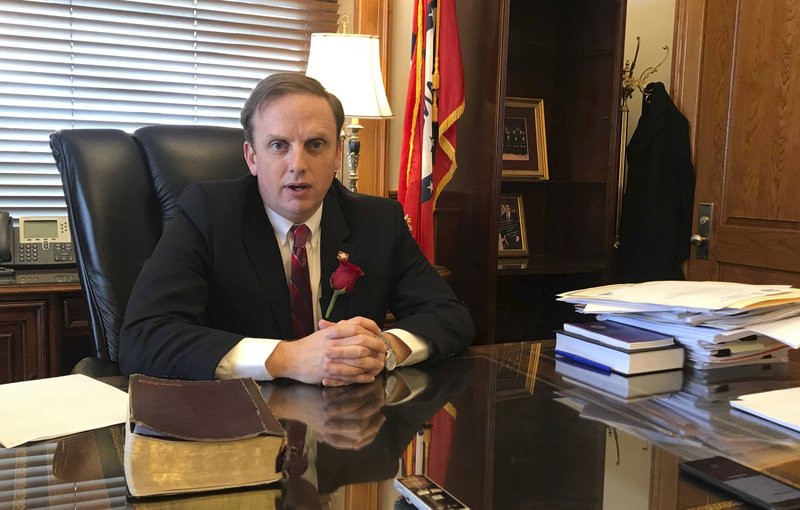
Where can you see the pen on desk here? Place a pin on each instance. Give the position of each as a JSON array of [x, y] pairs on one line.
[[583, 361]]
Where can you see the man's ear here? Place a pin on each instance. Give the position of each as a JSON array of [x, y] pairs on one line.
[[250, 157], [339, 149]]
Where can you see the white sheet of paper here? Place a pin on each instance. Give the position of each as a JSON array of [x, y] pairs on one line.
[[687, 294], [778, 406], [57, 406], [785, 330], [621, 307]]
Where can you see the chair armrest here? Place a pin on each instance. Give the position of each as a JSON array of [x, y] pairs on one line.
[[97, 367]]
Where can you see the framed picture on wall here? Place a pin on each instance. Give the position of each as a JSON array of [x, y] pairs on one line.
[[512, 240], [524, 140]]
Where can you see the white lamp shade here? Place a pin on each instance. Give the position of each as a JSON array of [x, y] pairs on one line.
[[349, 66]]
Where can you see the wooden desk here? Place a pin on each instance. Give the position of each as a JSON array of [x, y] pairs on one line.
[[500, 428], [44, 326]]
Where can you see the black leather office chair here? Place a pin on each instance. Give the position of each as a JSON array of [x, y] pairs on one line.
[[120, 190]]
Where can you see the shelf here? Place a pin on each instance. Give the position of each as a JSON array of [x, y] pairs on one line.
[[40, 280], [567, 53], [546, 264]]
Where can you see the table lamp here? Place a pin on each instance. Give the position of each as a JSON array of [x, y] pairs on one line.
[[348, 66]]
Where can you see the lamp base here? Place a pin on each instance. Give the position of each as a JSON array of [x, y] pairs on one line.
[[353, 153]]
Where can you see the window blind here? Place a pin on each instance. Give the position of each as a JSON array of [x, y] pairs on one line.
[[129, 63]]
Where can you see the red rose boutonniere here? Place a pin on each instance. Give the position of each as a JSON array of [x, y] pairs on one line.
[[343, 280]]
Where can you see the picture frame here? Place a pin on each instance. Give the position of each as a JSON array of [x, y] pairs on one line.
[[512, 238], [524, 140]]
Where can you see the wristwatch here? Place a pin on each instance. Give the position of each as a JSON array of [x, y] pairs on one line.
[[391, 358]]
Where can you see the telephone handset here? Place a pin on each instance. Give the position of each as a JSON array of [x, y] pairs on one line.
[[5, 243], [38, 241], [5, 236]]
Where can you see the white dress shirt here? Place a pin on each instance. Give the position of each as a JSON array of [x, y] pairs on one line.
[[248, 357]]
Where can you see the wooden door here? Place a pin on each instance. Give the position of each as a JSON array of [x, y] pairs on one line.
[[737, 78]]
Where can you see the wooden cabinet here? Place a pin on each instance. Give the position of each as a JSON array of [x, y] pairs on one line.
[[569, 54], [43, 325]]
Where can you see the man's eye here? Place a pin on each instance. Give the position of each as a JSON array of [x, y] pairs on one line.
[[277, 146], [317, 145]]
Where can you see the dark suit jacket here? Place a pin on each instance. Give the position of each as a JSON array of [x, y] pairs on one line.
[[216, 276], [657, 206]]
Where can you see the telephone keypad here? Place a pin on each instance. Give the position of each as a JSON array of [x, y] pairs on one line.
[[28, 252]]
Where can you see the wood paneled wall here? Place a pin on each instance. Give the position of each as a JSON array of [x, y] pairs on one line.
[[373, 17]]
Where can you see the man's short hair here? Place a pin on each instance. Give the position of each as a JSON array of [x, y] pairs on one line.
[[278, 85]]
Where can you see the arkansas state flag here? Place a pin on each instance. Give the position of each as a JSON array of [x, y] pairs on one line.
[[434, 102]]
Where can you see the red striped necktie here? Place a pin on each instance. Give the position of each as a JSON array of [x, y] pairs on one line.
[[300, 285]]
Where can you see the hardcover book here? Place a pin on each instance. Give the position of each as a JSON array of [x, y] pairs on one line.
[[193, 436], [613, 359], [619, 335]]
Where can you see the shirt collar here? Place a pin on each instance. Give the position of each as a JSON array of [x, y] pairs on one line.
[[281, 225]]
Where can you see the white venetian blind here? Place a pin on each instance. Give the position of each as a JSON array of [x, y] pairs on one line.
[[128, 63]]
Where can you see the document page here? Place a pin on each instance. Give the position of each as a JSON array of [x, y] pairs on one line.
[[778, 406], [57, 406], [786, 330], [681, 294]]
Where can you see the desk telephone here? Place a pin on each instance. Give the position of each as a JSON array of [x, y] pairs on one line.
[[38, 241]]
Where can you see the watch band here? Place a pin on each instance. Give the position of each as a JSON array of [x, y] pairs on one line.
[[390, 363]]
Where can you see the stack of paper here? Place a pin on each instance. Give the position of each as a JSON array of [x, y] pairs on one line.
[[719, 323]]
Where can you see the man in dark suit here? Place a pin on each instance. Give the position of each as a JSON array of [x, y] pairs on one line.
[[214, 299]]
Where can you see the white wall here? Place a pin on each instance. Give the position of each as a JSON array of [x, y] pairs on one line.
[[400, 62], [653, 21], [626, 484]]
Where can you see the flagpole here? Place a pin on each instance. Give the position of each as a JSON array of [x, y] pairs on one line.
[[435, 82], [435, 75]]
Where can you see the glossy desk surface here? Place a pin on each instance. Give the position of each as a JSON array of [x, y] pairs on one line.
[[500, 428]]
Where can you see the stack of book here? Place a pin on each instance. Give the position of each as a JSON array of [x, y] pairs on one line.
[[617, 348], [718, 323]]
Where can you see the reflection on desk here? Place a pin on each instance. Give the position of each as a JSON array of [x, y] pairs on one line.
[[498, 429], [359, 438]]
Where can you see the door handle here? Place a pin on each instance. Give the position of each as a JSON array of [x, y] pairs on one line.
[[698, 240], [702, 238]]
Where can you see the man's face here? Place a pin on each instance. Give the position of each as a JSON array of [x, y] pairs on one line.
[[295, 154]]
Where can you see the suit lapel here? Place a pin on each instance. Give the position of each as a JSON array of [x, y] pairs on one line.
[[262, 249], [334, 232]]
